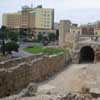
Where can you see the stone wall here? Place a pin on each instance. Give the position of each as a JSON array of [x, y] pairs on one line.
[[13, 62], [83, 41], [75, 96], [92, 45], [18, 73]]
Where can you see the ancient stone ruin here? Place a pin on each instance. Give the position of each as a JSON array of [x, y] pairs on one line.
[[86, 49], [16, 74]]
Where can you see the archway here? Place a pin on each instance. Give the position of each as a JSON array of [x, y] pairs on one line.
[[86, 54]]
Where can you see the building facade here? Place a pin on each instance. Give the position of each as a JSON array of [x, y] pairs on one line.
[[44, 18], [88, 29], [30, 20], [25, 17], [97, 29], [98, 24], [12, 20]]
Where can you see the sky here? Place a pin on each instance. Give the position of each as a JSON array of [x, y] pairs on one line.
[[78, 11]]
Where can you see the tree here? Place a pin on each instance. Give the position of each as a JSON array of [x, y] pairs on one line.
[[7, 34], [13, 36], [52, 37], [40, 37], [3, 36], [11, 46]]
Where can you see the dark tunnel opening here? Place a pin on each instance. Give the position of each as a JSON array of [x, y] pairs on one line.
[[86, 55]]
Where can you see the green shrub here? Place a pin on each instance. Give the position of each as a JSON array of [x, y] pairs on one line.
[[13, 36], [11, 46], [40, 37], [52, 37]]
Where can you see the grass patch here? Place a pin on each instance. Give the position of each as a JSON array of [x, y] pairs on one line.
[[44, 50]]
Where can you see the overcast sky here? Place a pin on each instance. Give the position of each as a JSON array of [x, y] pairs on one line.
[[78, 11]]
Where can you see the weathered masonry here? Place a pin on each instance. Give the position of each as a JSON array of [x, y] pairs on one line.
[[86, 49], [16, 74]]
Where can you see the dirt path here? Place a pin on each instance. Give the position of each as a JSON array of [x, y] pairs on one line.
[[71, 79]]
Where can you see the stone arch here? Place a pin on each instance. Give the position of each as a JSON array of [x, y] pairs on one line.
[[87, 54]]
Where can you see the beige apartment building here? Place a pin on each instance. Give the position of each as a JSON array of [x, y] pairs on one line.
[[44, 18], [27, 19], [38, 17], [33, 19], [12, 20]]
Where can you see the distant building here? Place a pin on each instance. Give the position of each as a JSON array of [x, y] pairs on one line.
[[44, 17], [30, 20], [97, 29], [98, 24], [75, 28], [88, 29], [12, 20]]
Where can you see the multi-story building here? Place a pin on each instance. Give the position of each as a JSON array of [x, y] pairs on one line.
[[12, 20], [88, 29], [44, 18], [25, 17], [98, 24], [31, 20], [97, 29]]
